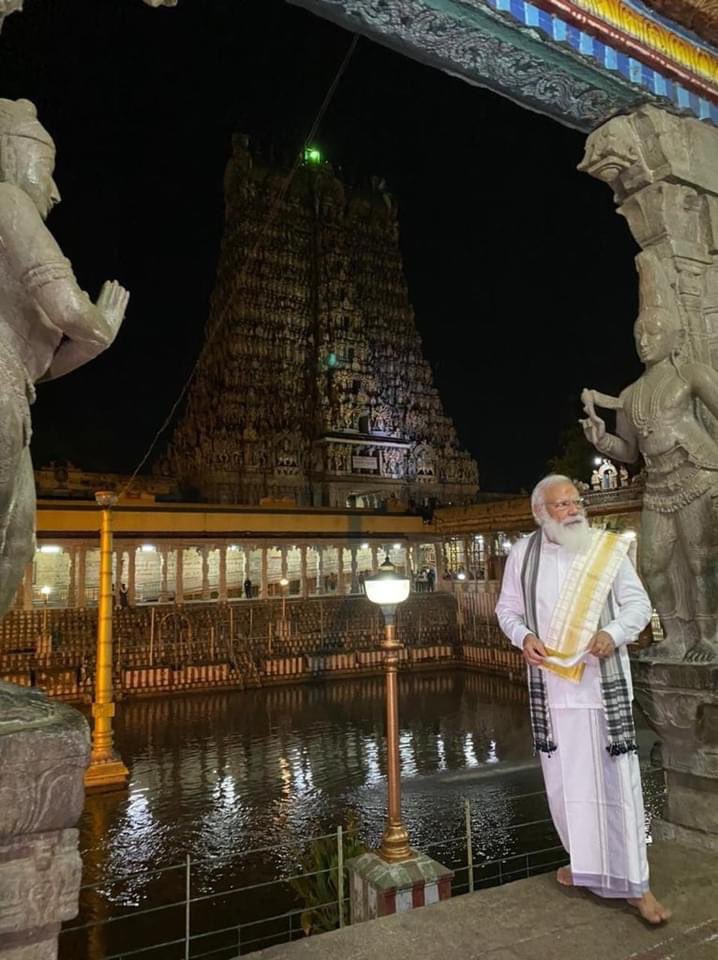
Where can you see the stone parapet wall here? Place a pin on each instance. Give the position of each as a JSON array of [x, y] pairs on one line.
[[168, 648]]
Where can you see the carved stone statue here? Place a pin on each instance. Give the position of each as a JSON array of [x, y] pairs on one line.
[[48, 325], [657, 417]]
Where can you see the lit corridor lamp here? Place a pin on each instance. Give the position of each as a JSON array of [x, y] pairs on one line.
[[387, 589], [106, 770]]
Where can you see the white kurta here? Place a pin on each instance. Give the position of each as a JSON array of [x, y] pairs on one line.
[[595, 800]]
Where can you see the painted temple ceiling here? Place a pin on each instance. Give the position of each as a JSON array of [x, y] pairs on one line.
[[580, 61], [700, 16]]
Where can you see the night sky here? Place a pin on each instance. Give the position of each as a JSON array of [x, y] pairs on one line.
[[519, 269]]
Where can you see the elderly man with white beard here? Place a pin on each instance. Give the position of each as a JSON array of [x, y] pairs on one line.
[[571, 600]]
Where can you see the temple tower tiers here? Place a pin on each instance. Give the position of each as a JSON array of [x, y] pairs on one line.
[[312, 384]]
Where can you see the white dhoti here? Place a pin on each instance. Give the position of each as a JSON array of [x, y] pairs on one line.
[[596, 805]]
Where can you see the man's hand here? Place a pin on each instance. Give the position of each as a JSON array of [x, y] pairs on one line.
[[112, 304], [534, 650], [601, 644]]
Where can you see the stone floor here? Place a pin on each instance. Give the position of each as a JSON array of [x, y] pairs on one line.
[[536, 919]]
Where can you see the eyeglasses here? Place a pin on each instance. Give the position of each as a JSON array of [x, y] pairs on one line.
[[578, 502]]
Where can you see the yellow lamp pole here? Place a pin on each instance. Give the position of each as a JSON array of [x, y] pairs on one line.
[[106, 769], [387, 589]]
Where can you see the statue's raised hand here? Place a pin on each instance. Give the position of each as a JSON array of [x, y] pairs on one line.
[[594, 428], [112, 303]]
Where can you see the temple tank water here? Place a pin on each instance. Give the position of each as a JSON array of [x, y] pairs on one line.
[[218, 775]]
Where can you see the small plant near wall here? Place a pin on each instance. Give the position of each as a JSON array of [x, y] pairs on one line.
[[320, 891]]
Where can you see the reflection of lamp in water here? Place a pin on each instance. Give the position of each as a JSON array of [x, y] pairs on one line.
[[387, 589], [106, 769]]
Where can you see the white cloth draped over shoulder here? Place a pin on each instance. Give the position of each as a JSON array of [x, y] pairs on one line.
[[634, 611]]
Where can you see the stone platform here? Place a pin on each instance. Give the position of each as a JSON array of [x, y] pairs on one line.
[[536, 919]]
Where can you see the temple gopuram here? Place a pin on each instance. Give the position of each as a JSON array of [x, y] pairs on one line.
[[312, 386]]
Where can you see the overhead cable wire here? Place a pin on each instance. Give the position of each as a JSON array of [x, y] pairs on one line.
[[249, 257]]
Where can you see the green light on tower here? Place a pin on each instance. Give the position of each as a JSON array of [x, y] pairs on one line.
[[331, 359], [312, 155]]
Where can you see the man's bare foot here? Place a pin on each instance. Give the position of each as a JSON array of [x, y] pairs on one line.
[[650, 909], [563, 875]]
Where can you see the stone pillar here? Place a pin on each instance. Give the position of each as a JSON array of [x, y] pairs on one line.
[[72, 573], [320, 569], [44, 749], [246, 554], [204, 554], [222, 571], [164, 592], [488, 542], [439, 558], [179, 575], [27, 588], [264, 576], [341, 585], [303, 585], [374, 558], [355, 570], [283, 566], [81, 593], [663, 170], [132, 575], [680, 701], [117, 576]]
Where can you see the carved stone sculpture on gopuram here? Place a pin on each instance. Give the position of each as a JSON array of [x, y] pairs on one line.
[[48, 325], [311, 384], [664, 173]]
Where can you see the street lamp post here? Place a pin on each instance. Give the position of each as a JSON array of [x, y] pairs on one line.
[[388, 589], [106, 769]]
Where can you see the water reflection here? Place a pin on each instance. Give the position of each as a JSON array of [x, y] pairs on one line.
[[217, 775]]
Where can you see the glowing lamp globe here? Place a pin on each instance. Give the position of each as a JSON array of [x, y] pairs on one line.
[[386, 587]]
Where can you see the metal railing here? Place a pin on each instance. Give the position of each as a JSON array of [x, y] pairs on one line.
[[473, 870]]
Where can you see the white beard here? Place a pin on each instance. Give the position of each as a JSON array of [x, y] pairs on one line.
[[573, 533]]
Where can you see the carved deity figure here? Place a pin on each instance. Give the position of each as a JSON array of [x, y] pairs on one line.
[[657, 417], [48, 325]]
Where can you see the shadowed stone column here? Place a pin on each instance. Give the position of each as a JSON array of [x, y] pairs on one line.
[[44, 749], [222, 572], [179, 575], [71, 576], [264, 575], [663, 170], [81, 598], [680, 701], [355, 570], [303, 585], [163, 575], [27, 588], [320, 569], [341, 585], [132, 575], [204, 555]]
